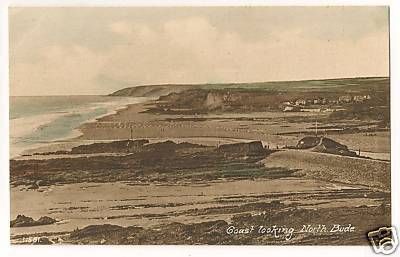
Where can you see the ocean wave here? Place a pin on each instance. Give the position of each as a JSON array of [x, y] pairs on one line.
[[24, 126], [34, 131]]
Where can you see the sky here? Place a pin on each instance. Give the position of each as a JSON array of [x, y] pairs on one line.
[[98, 50]]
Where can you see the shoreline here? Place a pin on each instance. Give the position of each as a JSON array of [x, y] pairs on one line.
[[150, 126], [73, 136], [204, 172]]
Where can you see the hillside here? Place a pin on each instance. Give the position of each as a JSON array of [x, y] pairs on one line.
[[354, 84], [151, 90]]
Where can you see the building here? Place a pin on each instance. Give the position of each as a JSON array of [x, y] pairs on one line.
[[358, 98], [311, 110], [320, 100], [291, 109], [300, 102], [345, 99], [361, 98]]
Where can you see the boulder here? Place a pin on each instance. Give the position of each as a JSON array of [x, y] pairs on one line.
[[25, 221], [324, 145], [22, 221], [251, 148]]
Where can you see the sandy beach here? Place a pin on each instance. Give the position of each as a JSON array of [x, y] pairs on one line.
[[150, 194], [213, 129]]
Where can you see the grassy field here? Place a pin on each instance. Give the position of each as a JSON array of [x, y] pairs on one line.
[[373, 83]]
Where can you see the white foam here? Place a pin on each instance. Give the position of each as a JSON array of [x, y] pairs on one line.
[[22, 128]]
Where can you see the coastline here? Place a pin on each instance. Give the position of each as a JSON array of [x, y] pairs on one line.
[[160, 186], [209, 129]]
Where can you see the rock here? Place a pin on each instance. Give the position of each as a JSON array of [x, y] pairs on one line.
[[96, 231], [104, 234], [324, 145], [169, 146], [308, 142], [24, 221], [251, 148], [111, 147], [45, 220]]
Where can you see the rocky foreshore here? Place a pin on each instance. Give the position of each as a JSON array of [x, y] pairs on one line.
[[339, 226]]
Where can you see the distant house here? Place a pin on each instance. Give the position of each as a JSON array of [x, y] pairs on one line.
[[345, 99], [358, 98], [361, 98], [291, 109], [300, 102], [319, 101], [328, 110], [311, 110]]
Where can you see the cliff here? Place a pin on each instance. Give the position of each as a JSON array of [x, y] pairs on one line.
[[369, 84], [151, 90]]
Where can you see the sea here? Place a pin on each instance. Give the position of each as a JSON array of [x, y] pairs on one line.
[[39, 120]]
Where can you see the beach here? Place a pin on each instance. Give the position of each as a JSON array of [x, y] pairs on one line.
[[141, 174]]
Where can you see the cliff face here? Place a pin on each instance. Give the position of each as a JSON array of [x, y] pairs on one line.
[[214, 100], [365, 85]]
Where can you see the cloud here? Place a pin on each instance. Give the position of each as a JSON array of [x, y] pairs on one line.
[[194, 51], [62, 70], [97, 56]]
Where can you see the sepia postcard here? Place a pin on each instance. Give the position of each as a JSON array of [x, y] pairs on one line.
[[258, 125]]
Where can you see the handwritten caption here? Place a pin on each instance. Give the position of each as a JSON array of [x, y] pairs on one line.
[[288, 232]]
